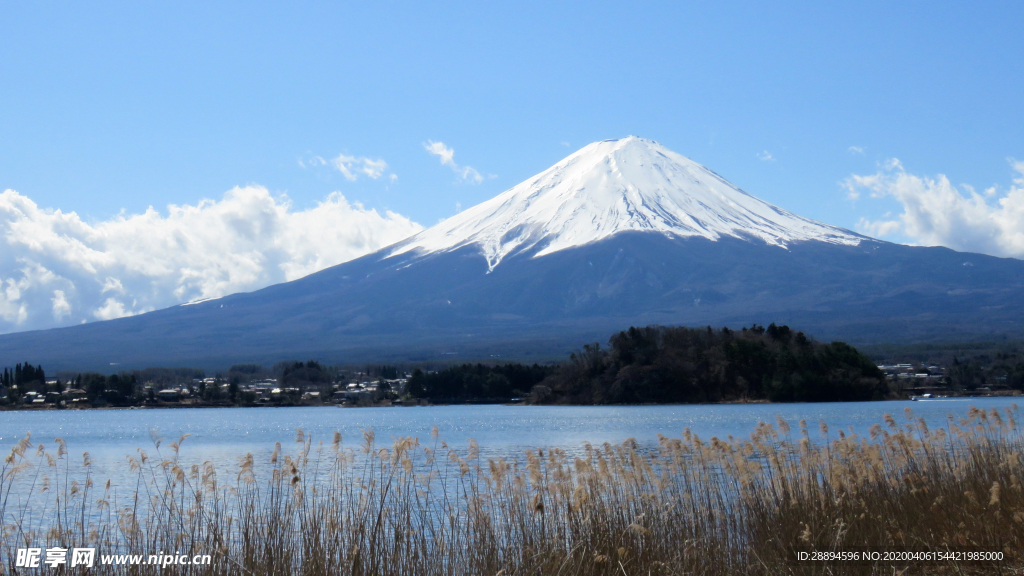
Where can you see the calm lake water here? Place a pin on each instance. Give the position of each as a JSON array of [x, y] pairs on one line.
[[223, 434]]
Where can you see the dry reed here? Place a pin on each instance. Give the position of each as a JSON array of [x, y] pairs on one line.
[[687, 506]]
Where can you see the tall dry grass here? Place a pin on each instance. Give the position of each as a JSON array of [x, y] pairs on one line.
[[688, 506]]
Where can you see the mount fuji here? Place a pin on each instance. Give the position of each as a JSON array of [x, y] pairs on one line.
[[622, 232], [615, 186]]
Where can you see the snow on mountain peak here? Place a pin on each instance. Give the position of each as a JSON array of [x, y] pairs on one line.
[[629, 184]]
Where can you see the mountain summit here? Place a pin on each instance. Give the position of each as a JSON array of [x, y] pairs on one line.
[[614, 186], [623, 232]]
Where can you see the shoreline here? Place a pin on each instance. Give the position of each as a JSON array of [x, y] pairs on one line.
[[177, 406]]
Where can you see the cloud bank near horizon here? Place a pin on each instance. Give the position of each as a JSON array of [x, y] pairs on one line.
[[937, 213], [57, 269]]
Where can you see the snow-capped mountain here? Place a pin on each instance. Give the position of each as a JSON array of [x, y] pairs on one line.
[[623, 232], [613, 186]]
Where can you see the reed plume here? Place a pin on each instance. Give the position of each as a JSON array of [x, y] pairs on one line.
[[683, 506]]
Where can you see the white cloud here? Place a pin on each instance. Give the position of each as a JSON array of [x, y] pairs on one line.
[[936, 213], [112, 285], [112, 309], [312, 161], [878, 228], [447, 157], [12, 310], [57, 269], [444, 153], [61, 306], [351, 167], [766, 156], [856, 150]]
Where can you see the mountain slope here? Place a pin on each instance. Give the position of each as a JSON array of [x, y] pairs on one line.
[[614, 186], [621, 233]]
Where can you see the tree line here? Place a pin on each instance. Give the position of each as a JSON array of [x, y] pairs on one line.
[[1004, 369], [477, 382], [658, 364], [653, 364], [22, 374]]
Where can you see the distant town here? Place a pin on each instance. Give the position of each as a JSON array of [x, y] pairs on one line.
[[296, 384], [920, 381]]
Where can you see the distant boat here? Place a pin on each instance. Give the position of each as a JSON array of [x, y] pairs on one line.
[[934, 397]]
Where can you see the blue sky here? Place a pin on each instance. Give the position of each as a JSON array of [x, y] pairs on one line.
[[129, 105], [110, 108]]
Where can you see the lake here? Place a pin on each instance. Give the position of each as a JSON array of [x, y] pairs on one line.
[[221, 435]]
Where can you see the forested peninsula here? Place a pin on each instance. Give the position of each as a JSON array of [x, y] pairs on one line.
[[658, 364]]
